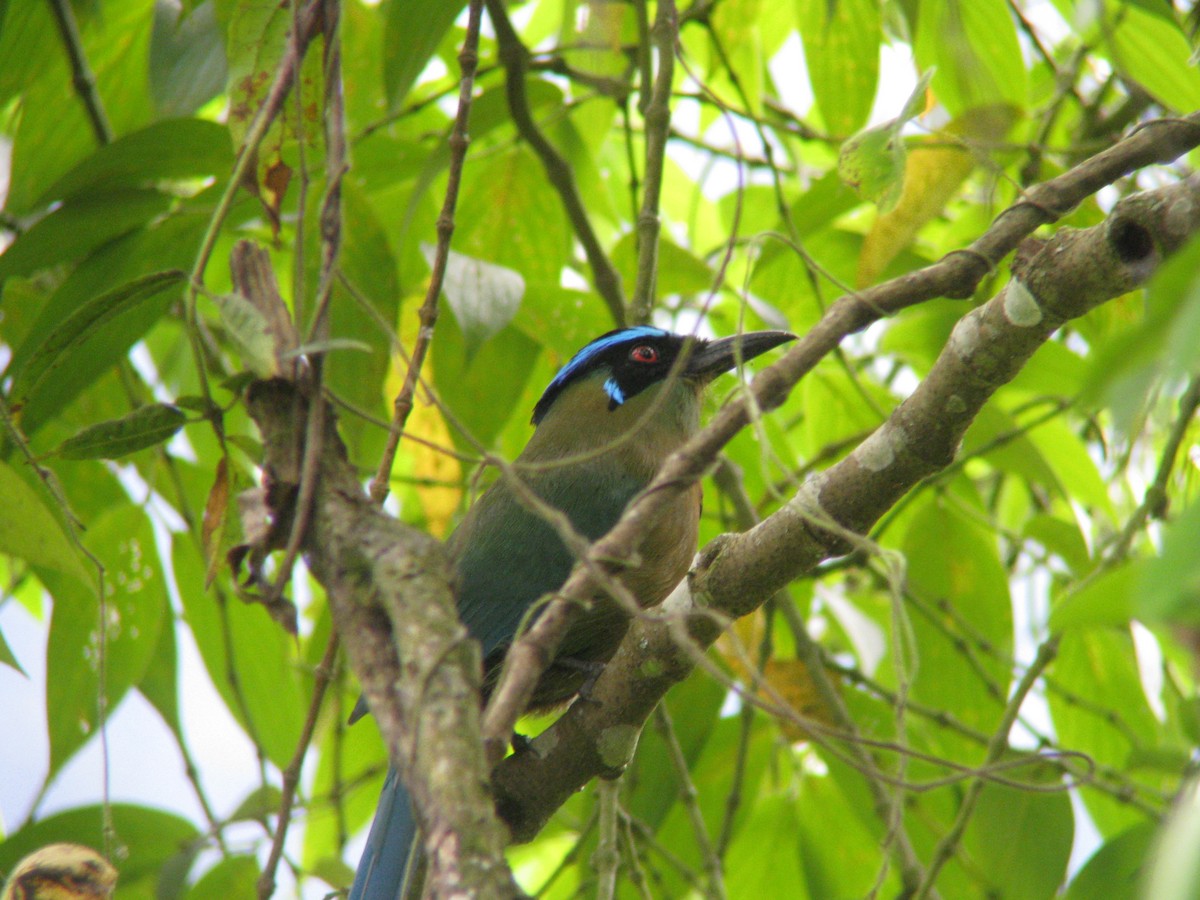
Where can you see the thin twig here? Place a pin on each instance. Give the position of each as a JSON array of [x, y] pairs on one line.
[[1154, 504], [809, 653], [331, 242], [71, 524], [134, 392], [468, 61], [657, 115], [291, 774], [637, 874], [81, 73], [690, 798], [651, 839], [606, 859], [301, 33], [515, 58], [998, 746]]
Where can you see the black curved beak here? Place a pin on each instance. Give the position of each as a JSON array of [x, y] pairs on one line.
[[711, 358]]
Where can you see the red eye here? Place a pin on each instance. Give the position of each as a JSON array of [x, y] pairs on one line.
[[644, 353]]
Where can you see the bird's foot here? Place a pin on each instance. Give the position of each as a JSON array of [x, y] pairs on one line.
[[591, 670]]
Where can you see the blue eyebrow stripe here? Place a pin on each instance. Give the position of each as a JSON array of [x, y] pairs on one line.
[[588, 354]]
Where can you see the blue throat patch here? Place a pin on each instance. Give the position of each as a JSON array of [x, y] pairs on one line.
[[615, 394]]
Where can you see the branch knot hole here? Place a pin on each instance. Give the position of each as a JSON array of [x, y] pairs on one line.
[[1131, 241]]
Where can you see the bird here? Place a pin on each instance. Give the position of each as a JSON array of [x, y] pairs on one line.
[[61, 872], [602, 428]]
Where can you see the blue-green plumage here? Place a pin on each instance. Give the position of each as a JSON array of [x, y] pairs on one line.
[[605, 424]]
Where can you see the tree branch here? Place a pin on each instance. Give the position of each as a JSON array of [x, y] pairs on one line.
[[1071, 274], [388, 588], [956, 276]]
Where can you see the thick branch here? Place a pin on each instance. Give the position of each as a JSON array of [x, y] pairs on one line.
[[1071, 274], [389, 594], [954, 276]]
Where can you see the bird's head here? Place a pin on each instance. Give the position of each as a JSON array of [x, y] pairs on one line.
[[625, 362]]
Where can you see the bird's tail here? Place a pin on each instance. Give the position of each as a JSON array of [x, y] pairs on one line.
[[384, 866]]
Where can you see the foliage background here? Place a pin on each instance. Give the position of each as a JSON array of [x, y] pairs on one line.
[[1069, 510]]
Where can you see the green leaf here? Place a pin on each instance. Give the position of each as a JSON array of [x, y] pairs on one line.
[[29, 45], [1153, 51], [510, 215], [1174, 872], [57, 349], [483, 297], [171, 150], [1109, 599], [841, 50], [366, 262], [53, 132], [30, 531], [847, 867], [952, 561], [872, 161], [1054, 370], [1112, 872], [1021, 837], [258, 36], [1100, 665], [837, 408], [255, 40], [146, 426], [166, 243], [8, 658], [235, 876], [78, 227], [261, 803], [560, 319], [136, 610], [498, 371], [974, 48], [248, 658], [679, 271], [694, 706], [1061, 537], [413, 30], [359, 760], [249, 331], [1170, 583], [1162, 342], [160, 683], [1073, 466], [766, 854], [149, 838], [187, 58]]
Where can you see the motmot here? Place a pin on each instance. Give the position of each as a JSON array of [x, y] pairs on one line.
[[602, 428]]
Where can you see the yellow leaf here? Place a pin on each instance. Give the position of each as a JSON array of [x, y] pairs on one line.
[[933, 171], [436, 474], [791, 680], [787, 678]]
